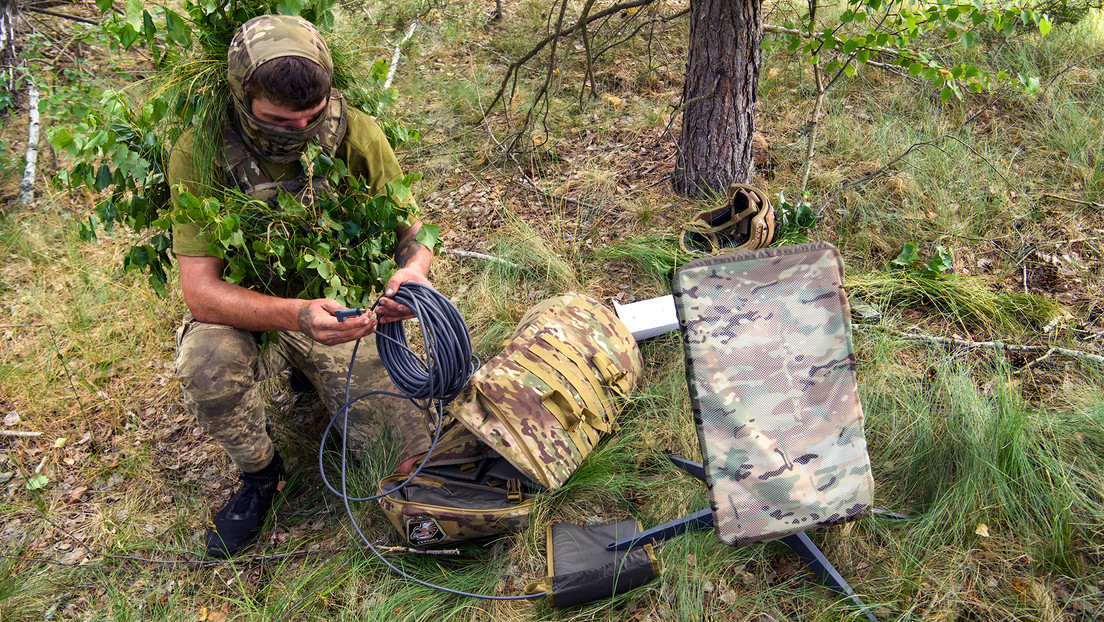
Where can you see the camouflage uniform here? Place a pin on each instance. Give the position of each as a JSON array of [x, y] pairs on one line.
[[221, 367]]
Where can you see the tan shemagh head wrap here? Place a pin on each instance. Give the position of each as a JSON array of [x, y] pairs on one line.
[[258, 41]]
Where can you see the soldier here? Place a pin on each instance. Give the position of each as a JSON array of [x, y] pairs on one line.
[[280, 73]]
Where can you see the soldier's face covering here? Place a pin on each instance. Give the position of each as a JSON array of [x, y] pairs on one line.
[[258, 41]]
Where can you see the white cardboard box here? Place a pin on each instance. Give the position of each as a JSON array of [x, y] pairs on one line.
[[648, 318]]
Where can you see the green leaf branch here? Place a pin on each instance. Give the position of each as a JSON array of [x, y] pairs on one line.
[[116, 152], [335, 244], [940, 265], [900, 34]]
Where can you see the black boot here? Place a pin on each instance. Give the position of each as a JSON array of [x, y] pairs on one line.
[[240, 522], [299, 383]]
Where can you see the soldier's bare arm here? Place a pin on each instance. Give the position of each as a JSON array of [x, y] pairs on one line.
[[414, 260], [212, 300]]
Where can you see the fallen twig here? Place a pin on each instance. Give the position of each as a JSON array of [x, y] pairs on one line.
[[1040, 359], [927, 143], [398, 50], [75, 18], [407, 549], [40, 560], [20, 434], [473, 255], [875, 174], [1000, 345], [1069, 200], [76, 394]]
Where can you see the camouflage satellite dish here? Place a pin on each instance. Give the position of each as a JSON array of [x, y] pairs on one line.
[[770, 369]]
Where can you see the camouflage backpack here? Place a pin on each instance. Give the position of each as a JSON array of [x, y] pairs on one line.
[[528, 418], [770, 369]]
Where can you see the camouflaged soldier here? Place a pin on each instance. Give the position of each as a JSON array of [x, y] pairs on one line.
[[280, 73]]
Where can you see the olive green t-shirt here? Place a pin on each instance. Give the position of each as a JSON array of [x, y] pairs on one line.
[[364, 150]]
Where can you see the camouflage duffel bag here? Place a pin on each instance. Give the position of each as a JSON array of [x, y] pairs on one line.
[[527, 419]]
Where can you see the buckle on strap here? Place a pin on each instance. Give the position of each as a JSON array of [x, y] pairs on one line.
[[513, 491]]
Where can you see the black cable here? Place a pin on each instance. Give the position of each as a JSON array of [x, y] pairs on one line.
[[433, 381]]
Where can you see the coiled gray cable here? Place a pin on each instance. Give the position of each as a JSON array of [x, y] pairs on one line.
[[429, 383]]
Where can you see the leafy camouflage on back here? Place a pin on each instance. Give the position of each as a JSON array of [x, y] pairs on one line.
[[546, 399], [770, 368]]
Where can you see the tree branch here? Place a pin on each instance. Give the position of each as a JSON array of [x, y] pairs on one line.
[[75, 18], [472, 255], [395, 57], [639, 27], [19, 434], [514, 66], [1000, 345], [1075, 201], [588, 76], [928, 143]]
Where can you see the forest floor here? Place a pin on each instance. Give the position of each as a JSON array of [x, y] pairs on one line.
[[980, 383]]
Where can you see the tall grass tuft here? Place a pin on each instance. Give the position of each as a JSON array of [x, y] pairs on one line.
[[962, 450], [658, 257], [967, 302]]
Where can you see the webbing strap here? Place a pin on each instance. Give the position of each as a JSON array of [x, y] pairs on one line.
[[597, 422], [567, 404], [582, 377], [567, 414], [617, 378]]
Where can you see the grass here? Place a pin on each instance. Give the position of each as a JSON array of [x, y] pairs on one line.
[[958, 438], [966, 302]]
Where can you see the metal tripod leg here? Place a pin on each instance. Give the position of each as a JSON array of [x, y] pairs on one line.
[[702, 519], [812, 555]]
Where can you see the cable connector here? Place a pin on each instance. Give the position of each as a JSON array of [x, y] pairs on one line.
[[344, 314]]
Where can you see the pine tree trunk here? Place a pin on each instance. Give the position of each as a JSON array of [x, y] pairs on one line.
[[718, 114]]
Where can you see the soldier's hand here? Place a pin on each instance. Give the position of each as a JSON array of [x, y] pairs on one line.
[[317, 321], [390, 310]]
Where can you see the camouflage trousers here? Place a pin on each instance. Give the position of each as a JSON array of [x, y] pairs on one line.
[[221, 368]]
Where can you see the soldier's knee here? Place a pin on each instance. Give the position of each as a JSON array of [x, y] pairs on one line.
[[217, 364]]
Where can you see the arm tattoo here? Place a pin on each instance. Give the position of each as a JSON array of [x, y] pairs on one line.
[[407, 250], [304, 321]]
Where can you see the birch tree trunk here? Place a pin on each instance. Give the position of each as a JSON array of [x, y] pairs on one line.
[[7, 42]]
